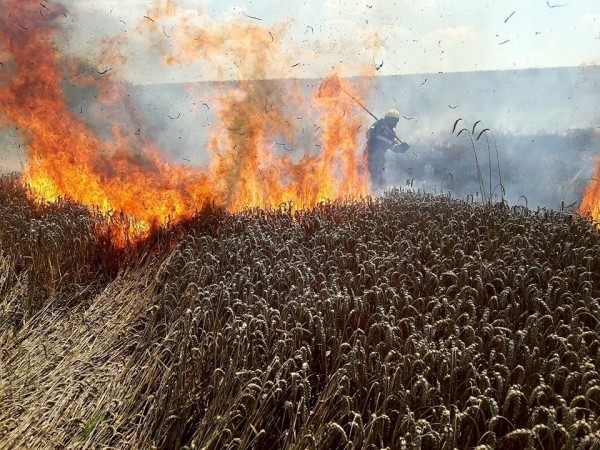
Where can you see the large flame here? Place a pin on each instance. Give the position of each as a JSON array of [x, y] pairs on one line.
[[590, 204], [118, 169]]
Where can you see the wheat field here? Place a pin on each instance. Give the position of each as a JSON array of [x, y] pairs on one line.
[[403, 321]]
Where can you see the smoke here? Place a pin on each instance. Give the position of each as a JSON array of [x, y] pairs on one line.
[[12, 150], [545, 124], [548, 170]]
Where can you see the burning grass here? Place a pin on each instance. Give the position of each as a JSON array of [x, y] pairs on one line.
[[403, 321], [102, 161]]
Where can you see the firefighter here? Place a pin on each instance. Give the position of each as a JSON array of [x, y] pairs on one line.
[[381, 138]]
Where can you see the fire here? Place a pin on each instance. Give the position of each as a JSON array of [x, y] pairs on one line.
[[590, 204], [121, 171], [340, 169], [330, 87]]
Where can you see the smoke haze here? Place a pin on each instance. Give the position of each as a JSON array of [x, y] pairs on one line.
[[545, 123]]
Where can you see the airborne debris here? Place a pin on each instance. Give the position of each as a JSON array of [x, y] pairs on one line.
[[556, 6], [174, 118], [282, 144], [237, 131], [251, 17], [149, 18], [504, 42], [511, 14]]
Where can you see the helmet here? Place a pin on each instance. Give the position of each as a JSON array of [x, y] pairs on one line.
[[393, 113]]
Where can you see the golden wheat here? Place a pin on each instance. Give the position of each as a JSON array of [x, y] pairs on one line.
[[405, 321]]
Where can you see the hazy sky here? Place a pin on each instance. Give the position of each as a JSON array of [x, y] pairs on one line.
[[401, 36]]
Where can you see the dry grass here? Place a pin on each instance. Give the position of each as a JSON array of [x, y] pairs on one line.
[[409, 321]]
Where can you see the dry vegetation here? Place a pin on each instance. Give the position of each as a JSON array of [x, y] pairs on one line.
[[408, 321]]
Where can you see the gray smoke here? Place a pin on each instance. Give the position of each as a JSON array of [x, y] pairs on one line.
[[544, 122], [548, 170], [12, 150]]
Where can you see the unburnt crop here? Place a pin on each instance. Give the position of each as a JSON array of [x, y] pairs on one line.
[[406, 321]]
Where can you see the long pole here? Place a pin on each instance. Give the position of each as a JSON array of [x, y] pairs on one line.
[[359, 103]]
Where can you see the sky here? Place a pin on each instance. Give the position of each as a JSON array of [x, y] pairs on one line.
[[387, 37]]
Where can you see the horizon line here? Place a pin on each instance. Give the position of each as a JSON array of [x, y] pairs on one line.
[[233, 80]]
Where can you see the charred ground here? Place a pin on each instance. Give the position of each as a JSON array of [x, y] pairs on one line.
[[406, 320]]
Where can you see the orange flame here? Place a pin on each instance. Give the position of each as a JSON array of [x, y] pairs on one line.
[[330, 87], [590, 204], [125, 173]]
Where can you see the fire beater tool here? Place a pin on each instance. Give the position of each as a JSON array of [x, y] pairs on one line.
[[332, 86]]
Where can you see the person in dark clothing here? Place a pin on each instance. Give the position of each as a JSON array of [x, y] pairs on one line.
[[380, 139]]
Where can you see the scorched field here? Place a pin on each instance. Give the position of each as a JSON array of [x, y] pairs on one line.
[[406, 321]]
